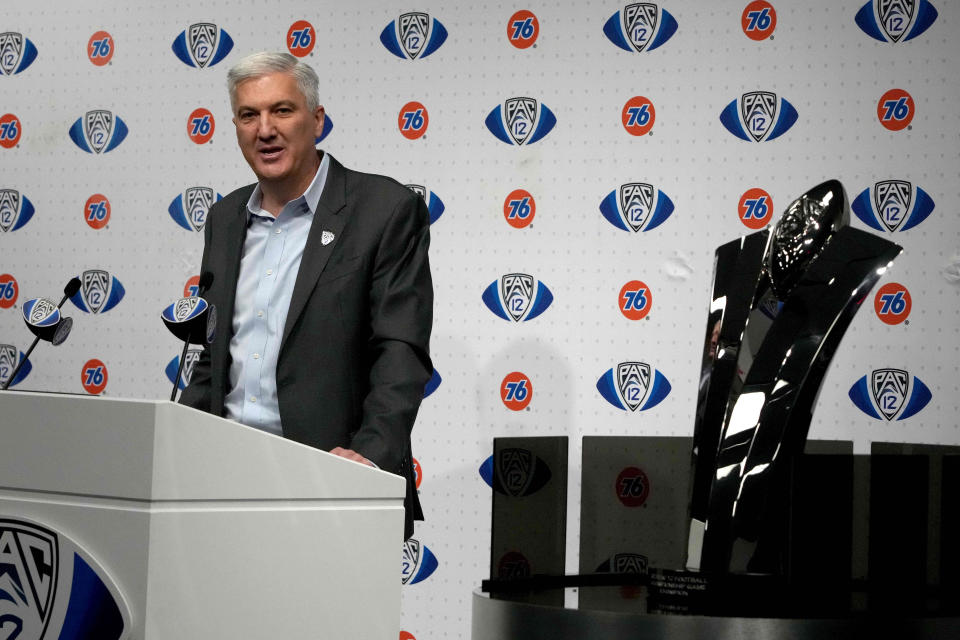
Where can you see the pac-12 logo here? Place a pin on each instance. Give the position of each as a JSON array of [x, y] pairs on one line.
[[200, 125], [413, 35], [100, 48], [418, 562], [635, 300], [189, 209], [640, 26], [51, 588], [892, 303], [636, 206], [203, 44], [895, 109], [96, 211], [758, 20], [633, 386], [432, 383], [638, 115], [9, 291], [98, 131], [301, 37], [15, 210], [9, 358], [16, 53], [625, 563], [889, 394], [413, 120], [756, 208], [515, 472], [520, 121], [893, 205], [632, 487], [516, 391], [99, 292], [93, 376], [193, 355], [758, 116], [435, 205], [10, 129], [895, 20], [517, 297], [523, 29], [519, 208]]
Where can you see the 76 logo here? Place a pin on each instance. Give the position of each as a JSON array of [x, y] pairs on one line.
[[9, 131], [523, 29], [519, 208], [93, 376], [635, 300], [200, 126], [413, 120], [632, 487], [638, 116], [895, 109], [516, 391], [892, 303]]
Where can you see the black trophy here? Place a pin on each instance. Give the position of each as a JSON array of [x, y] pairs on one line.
[[781, 303]]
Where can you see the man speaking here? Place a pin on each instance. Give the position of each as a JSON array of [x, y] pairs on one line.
[[322, 286]]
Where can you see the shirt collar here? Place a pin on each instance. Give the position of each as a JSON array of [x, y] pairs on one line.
[[311, 197]]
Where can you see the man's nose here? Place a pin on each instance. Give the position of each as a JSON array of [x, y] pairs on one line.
[[265, 127]]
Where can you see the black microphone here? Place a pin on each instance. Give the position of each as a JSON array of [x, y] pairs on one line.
[[45, 322], [193, 320]]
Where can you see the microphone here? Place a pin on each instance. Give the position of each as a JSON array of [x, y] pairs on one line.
[[193, 320], [45, 322]]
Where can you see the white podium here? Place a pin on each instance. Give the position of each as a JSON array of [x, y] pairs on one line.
[[208, 529]]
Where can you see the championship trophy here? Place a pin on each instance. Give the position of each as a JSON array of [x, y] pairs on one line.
[[781, 302]]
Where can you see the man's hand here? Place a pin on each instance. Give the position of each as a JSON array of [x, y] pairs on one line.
[[350, 454]]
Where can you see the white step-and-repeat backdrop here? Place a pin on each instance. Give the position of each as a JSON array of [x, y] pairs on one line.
[[581, 161]]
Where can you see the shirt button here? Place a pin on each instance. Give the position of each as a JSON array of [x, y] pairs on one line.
[[259, 314], [279, 230], [256, 356], [253, 398], [269, 272]]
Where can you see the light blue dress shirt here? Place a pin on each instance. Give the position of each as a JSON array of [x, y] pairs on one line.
[[268, 270]]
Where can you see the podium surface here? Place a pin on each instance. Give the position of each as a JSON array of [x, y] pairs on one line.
[[202, 527]]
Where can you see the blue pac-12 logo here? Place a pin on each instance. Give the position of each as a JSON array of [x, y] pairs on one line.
[[99, 292], [432, 383], [51, 588], [636, 206], [413, 35], [515, 472], [758, 116], [641, 26], [418, 562], [9, 358], [633, 386], [189, 209], [892, 205], [15, 210], [193, 356], [890, 394], [520, 121], [16, 53], [518, 297], [434, 203], [895, 20], [203, 44], [98, 131]]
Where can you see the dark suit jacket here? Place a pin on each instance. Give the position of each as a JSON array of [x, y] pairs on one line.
[[354, 355]]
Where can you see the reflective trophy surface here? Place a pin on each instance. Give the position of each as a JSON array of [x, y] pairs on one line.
[[781, 302]]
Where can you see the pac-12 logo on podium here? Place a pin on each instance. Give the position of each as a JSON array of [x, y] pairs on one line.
[[15, 210], [890, 394], [51, 588], [98, 131], [189, 209], [413, 35], [758, 116], [636, 206], [418, 562], [16, 53], [99, 292], [892, 205], [517, 297], [435, 205], [203, 44], [640, 26], [895, 20], [633, 386], [520, 121]]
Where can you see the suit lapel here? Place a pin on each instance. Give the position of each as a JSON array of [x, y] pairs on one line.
[[316, 253]]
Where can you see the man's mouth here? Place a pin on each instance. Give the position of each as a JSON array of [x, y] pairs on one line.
[[270, 153]]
